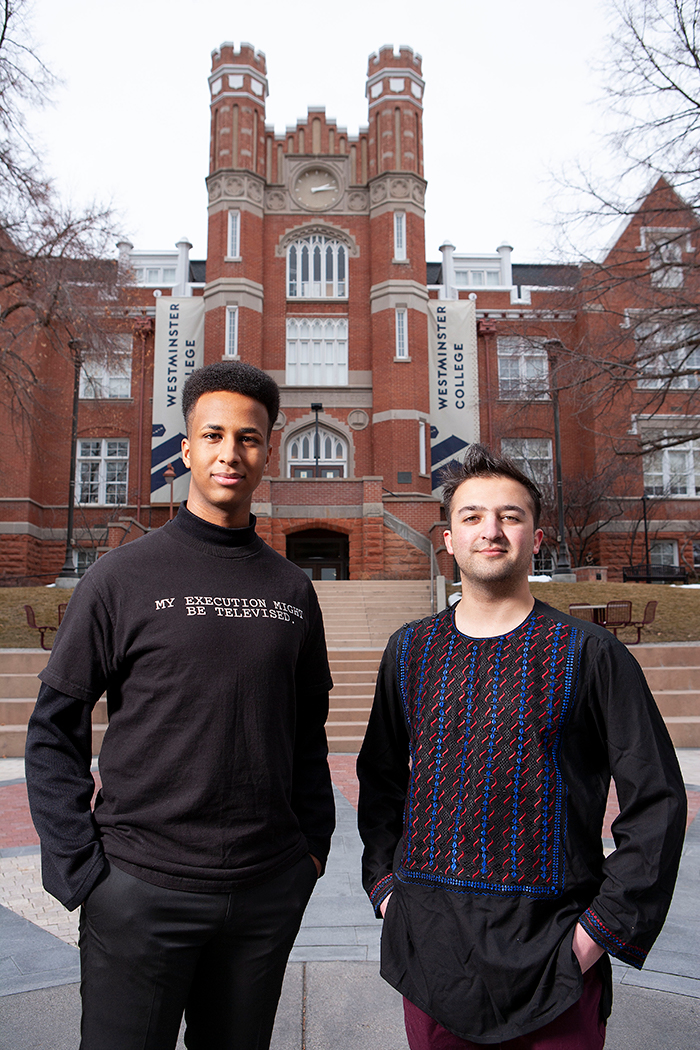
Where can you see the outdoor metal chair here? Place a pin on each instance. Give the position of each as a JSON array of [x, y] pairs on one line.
[[31, 620], [617, 614], [583, 611], [647, 618]]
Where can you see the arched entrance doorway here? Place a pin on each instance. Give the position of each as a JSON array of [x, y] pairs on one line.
[[321, 553]]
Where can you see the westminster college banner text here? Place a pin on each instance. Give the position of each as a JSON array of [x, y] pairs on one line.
[[454, 381], [179, 349]]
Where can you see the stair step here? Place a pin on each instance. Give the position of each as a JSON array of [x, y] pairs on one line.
[[666, 654], [662, 678], [678, 703], [15, 684], [23, 661]]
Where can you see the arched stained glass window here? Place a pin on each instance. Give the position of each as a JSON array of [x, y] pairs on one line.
[[317, 268]]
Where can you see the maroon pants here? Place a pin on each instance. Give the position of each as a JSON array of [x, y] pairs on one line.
[[578, 1028]]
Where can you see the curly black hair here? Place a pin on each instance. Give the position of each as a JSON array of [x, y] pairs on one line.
[[238, 377]]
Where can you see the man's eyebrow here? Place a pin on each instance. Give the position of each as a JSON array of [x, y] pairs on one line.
[[479, 506], [220, 428]]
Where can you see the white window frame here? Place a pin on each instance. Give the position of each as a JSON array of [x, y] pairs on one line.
[[400, 236], [301, 455], [317, 351], [401, 333], [533, 455], [231, 345], [155, 276], [101, 456], [663, 552], [478, 278], [666, 246], [529, 383], [422, 455], [107, 375], [233, 235], [308, 275], [674, 472], [652, 339]]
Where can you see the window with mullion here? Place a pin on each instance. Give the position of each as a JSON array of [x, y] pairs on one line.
[[107, 375], [523, 369], [303, 449], [673, 471], [316, 268], [532, 455], [317, 351], [102, 471], [669, 355]]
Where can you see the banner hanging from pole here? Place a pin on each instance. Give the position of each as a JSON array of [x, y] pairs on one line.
[[454, 381], [179, 349]]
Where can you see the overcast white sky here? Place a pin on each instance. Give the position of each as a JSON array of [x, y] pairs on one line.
[[510, 97]]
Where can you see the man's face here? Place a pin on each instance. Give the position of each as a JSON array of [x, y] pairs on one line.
[[227, 451], [492, 535]]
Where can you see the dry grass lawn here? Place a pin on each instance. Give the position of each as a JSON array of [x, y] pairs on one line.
[[14, 631], [677, 614]]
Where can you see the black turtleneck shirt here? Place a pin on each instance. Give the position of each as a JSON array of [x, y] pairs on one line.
[[211, 650]]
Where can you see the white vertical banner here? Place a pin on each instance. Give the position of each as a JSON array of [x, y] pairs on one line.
[[454, 381], [179, 349]]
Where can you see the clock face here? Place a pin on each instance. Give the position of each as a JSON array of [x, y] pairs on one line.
[[316, 188]]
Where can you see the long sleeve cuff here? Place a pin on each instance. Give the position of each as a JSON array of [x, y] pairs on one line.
[[597, 929], [380, 892]]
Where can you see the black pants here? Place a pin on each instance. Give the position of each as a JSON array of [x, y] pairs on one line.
[[147, 954]]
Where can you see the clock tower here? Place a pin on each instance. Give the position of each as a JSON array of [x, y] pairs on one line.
[[316, 273]]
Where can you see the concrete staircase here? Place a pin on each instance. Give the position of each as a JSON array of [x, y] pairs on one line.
[[19, 686], [672, 670], [359, 617]]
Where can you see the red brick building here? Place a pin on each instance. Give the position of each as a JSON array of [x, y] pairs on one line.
[[316, 271]]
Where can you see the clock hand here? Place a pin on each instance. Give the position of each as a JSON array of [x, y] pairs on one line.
[[320, 189]]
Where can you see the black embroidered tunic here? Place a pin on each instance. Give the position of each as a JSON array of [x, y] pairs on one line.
[[484, 778]]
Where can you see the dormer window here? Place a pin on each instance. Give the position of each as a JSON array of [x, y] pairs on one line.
[[666, 247]]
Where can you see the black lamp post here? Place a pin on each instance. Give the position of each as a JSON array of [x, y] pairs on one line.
[[68, 576], [646, 532], [563, 563], [316, 407], [169, 475]]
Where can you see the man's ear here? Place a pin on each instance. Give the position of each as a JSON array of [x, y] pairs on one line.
[[447, 536], [186, 452], [539, 536]]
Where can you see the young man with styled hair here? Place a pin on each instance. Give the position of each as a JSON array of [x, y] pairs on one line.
[[215, 813], [484, 779]]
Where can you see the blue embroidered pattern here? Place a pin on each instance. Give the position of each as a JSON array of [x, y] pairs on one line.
[[486, 803]]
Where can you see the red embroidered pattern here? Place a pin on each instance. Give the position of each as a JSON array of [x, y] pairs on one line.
[[486, 802]]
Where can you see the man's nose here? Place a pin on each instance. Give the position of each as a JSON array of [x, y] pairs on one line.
[[491, 526], [228, 450]]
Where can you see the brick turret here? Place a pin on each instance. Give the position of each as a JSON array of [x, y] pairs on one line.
[[395, 93], [238, 85], [398, 294]]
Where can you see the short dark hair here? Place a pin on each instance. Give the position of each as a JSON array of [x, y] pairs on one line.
[[480, 462], [238, 377]]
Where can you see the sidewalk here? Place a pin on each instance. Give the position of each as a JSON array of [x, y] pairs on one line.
[[333, 997]]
